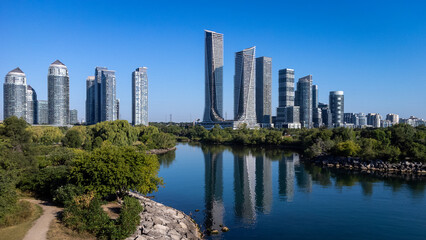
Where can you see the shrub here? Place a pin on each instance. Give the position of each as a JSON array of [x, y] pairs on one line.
[[129, 219], [73, 139], [347, 148], [64, 195]]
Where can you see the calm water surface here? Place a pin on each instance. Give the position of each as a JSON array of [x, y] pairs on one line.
[[270, 194]]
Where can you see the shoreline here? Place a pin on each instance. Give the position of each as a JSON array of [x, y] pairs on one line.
[[160, 221], [160, 151], [373, 167]]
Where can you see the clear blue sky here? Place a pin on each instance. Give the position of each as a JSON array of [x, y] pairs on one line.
[[375, 51]]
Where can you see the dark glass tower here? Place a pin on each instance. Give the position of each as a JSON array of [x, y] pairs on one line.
[[90, 100], [263, 89], [337, 107], [58, 94], [108, 93], [287, 112], [304, 100], [14, 94], [213, 110]]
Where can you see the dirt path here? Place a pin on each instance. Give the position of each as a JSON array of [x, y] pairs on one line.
[[39, 230]]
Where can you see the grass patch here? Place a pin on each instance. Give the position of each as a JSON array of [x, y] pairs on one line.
[[57, 231], [24, 217]]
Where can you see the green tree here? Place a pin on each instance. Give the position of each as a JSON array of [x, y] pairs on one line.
[[15, 129], [347, 148], [73, 139], [114, 170]]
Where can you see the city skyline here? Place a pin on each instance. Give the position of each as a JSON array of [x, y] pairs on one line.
[[327, 56]]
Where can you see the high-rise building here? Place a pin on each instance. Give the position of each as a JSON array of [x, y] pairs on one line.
[[90, 99], [315, 95], [42, 112], [325, 115], [264, 89], [286, 96], [108, 93], [362, 119], [213, 110], [337, 107], [73, 116], [140, 97], [14, 94], [373, 119], [31, 105], [117, 109], [244, 87], [393, 118], [304, 100], [97, 95], [58, 94]]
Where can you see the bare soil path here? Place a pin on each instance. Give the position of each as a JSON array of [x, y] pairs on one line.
[[39, 230]]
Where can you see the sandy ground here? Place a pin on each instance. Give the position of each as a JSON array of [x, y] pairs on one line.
[[39, 230]]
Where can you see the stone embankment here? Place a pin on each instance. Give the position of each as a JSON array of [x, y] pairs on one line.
[[401, 168], [160, 151], [161, 222]]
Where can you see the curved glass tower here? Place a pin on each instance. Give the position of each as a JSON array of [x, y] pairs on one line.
[[337, 107], [14, 94], [58, 91], [244, 87], [213, 110]]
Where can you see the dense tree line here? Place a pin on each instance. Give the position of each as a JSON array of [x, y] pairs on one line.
[[397, 143]]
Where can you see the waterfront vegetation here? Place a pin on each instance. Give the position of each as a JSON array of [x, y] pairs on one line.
[[79, 168], [394, 144]]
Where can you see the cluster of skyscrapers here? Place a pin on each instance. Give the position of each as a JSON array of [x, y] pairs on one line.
[[252, 93], [21, 100]]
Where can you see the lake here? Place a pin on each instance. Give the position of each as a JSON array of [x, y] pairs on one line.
[[270, 194]]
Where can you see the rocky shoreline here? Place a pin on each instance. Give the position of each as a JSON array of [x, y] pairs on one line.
[[160, 151], [374, 166], [162, 222]]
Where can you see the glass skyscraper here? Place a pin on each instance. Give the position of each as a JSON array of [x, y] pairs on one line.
[[140, 97], [90, 99], [244, 87], [73, 116], [42, 112], [337, 107], [304, 100], [213, 111], [287, 112], [264, 89], [14, 94], [108, 92], [58, 94], [31, 105]]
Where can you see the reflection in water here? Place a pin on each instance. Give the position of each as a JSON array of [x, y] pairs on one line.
[[213, 159], [244, 186], [167, 158], [263, 184], [253, 181]]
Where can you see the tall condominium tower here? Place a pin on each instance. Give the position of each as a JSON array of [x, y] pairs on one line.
[[58, 89], [14, 94], [244, 87], [140, 97], [73, 116], [337, 107], [393, 118], [314, 96], [90, 99], [97, 94], [264, 89], [42, 112], [304, 100], [325, 114], [286, 111], [31, 105], [117, 109], [108, 100], [213, 110]]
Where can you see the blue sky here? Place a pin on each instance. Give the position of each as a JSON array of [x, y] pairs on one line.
[[374, 51]]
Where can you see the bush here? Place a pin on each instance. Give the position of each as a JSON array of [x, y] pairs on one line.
[[8, 196], [64, 195], [347, 148], [73, 139], [19, 213], [129, 219]]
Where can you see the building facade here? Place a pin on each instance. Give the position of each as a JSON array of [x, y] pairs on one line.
[[140, 97], [373, 120], [337, 107], [42, 112], [90, 100], [393, 118], [58, 94], [325, 115], [285, 96], [304, 100], [15, 94], [31, 105], [108, 96], [213, 111], [74, 117], [244, 87], [264, 90]]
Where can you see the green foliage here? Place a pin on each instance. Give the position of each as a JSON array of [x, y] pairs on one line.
[[85, 214], [64, 195], [347, 148], [119, 133], [46, 135], [8, 196], [162, 141], [15, 129], [73, 139], [115, 170]]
